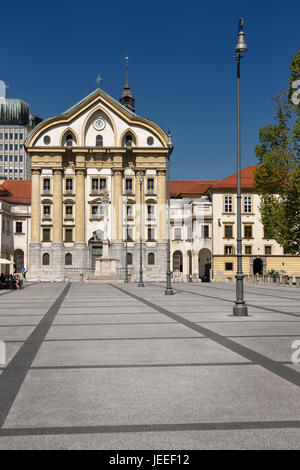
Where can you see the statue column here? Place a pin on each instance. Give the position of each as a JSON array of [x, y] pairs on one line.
[[117, 206], [35, 206], [57, 206], [80, 207], [161, 203]]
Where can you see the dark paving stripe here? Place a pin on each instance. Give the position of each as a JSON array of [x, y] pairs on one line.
[[254, 292], [142, 366], [14, 375], [280, 370], [133, 428], [232, 302]]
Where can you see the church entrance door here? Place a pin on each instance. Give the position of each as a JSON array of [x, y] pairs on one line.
[[96, 253]]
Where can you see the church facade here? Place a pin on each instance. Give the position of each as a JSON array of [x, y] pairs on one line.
[[98, 176]]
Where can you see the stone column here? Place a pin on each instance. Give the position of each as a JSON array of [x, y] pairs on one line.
[[137, 206], [161, 205], [57, 262], [35, 206], [34, 250], [117, 207], [57, 206], [80, 207]]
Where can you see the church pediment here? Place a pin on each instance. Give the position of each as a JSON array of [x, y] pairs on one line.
[[97, 120]]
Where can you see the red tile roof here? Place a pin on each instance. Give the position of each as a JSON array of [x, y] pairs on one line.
[[16, 191], [186, 187], [247, 180]]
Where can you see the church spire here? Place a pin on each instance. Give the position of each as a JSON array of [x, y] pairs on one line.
[[127, 98]]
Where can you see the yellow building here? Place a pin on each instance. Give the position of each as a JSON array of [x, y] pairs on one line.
[[260, 253], [89, 167]]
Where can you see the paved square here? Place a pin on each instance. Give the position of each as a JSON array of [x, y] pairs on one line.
[[115, 366]]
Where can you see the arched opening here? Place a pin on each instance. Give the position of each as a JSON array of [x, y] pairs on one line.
[[46, 259], [129, 140], [177, 261], [68, 259], [151, 258], [258, 266], [129, 259], [69, 139], [204, 262], [18, 260], [99, 140]]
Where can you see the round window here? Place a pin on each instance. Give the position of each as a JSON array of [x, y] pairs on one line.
[[47, 140], [150, 140]]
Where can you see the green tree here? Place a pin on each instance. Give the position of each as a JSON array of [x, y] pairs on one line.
[[277, 176]]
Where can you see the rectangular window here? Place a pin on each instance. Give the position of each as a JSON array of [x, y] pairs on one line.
[[268, 250], [228, 204], [10, 158], [21, 171], [94, 212], [228, 266], [247, 204], [21, 158], [128, 184], [102, 184], [5, 147], [46, 212], [69, 235], [177, 233], [129, 210], [150, 211], [69, 185], [11, 135], [150, 185], [189, 232], [69, 212], [228, 250], [95, 185], [205, 231], [46, 185], [18, 227], [6, 135], [1, 158], [248, 250], [1, 146], [228, 231], [151, 234], [46, 235], [21, 136], [16, 136], [1, 135], [129, 235], [5, 158], [16, 146], [11, 146], [16, 158], [247, 231]]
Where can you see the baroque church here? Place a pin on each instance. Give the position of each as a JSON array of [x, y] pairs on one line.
[[98, 190]]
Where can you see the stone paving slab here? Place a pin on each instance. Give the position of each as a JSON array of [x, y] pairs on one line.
[[109, 364]]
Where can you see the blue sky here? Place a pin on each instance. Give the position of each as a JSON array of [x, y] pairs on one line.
[[182, 73]]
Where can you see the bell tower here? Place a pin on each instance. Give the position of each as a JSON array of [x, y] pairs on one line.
[[127, 98]]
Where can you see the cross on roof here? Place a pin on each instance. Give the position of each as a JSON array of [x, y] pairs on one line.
[[99, 80]]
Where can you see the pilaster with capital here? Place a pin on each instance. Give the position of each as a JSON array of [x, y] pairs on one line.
[[117, 206], [57, 206], [161, 203], [80, 206], [35, 205]]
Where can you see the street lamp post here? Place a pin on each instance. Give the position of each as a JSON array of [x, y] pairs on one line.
[[168, 289], [126, 246], [141, 282], [240, 308]]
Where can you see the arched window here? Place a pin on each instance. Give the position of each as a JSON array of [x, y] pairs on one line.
[[46, 259], [99, 140], [128, 140], [69, 140], [129, 258], [68, 259], [151, 258]]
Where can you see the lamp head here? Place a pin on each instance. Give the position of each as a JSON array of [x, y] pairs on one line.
[[241, 45], [170, 142]]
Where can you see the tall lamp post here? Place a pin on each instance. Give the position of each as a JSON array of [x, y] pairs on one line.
[[240, 308], [126, 246], [141, 282], [168, 289]]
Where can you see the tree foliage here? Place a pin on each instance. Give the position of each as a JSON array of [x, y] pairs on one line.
[[277, 176]]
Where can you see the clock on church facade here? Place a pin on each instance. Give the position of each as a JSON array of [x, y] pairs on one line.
[[89, 166]]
